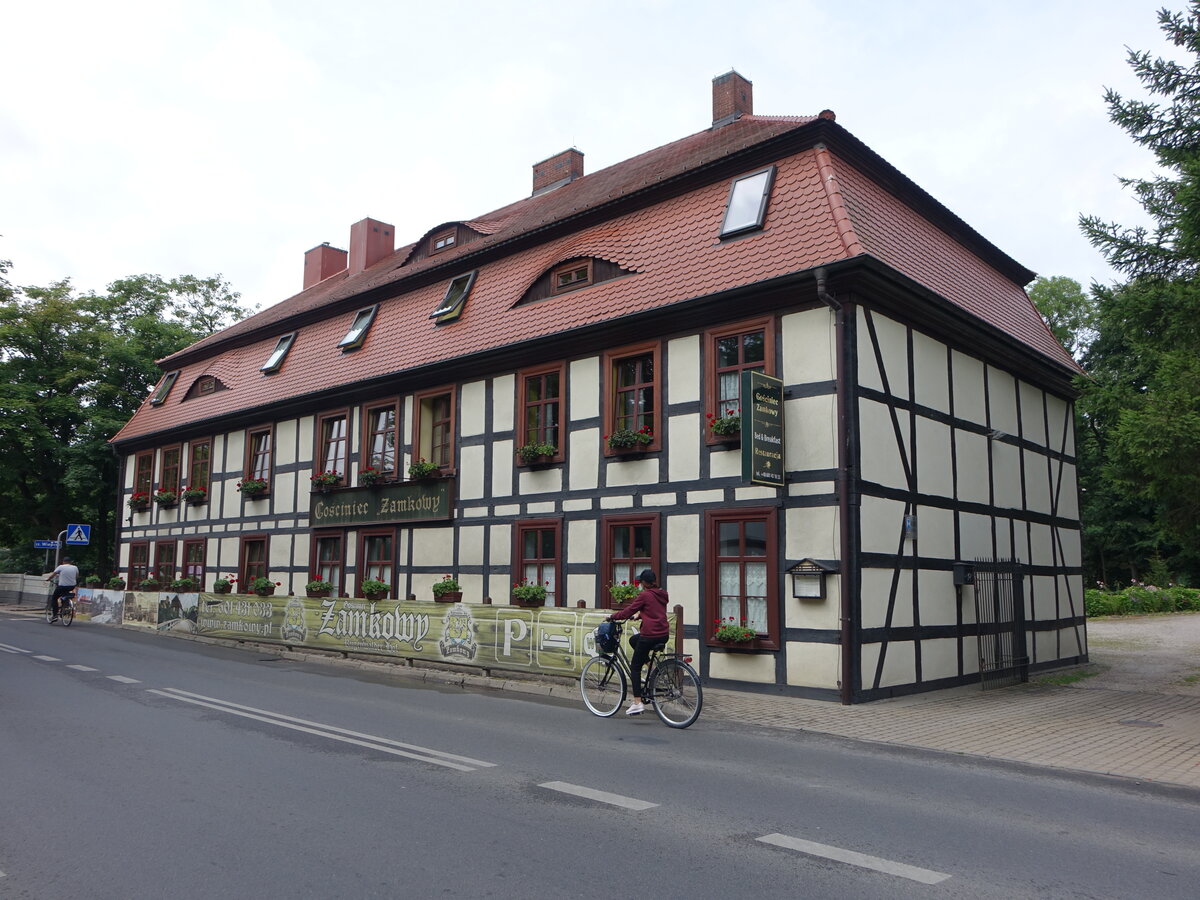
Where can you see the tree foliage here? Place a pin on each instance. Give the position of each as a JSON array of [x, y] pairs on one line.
[[1067, 310], [73, 369]]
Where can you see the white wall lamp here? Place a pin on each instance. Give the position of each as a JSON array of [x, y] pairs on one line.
[[808, 579]]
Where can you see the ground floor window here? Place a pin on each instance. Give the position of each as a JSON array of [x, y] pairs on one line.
[[743, 571], [253, 561], [538, 556], [164, 561], [377, 554], [630, 545], [328, 559], [193, 561], [139, 564]]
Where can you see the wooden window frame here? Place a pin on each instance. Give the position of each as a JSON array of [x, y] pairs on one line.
[[191, 470], [339, 586], [771, 639], [421, 443], [520, 528], [523, 431], [611, 359], [137, 573], [320, 461], [608, 560], [361, 562], [143, 475], [244, 543], [765, 324], [441, 236], [165, 483], [452, 304], [248, 470], [572, 266], [366, 445], [173, 563], [185, 564]]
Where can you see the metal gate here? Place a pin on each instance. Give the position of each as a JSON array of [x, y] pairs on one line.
[[1000, 611]]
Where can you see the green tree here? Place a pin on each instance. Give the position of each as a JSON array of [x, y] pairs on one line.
[[1067, 310], [73, 369]]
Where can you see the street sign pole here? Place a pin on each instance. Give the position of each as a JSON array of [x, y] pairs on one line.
[[62, 536]]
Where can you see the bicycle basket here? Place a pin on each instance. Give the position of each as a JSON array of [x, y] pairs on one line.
[[608, 637]]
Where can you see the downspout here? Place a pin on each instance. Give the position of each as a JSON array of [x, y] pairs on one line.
[[843, 485]]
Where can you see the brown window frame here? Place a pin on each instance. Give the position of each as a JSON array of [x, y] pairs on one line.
[[191, 470], [361, 563], [611, 359], [165, 480], [165, 578], [608, 561], [771, 639], [244, 543], [143, 472], [248, 469], [195, 571], [560, 583], [575, 265], [315, 568], [422, 444], [139, 568], [524, 432], [451, 233], [366, 454], [320, 444], [765, 324]]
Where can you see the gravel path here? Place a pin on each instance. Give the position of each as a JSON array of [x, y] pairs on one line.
[[1157, 654]]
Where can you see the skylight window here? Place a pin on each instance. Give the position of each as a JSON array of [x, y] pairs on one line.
[[358, 330], [747, 204], [452, 304], [275, 360], [164, 388]]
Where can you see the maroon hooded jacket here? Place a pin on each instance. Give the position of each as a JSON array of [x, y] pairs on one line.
[[652, 604]]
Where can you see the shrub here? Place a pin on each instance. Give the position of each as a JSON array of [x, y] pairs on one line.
[[446, 586]]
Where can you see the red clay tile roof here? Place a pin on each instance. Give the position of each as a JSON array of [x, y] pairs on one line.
[[822, 210]]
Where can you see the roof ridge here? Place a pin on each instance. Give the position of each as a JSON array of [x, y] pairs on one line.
[[837, 203]]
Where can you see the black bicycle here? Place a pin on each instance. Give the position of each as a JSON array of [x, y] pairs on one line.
[[672, 685], [66, 610]]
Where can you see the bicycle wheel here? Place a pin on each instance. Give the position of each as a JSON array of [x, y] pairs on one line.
[[603, 686], [67, 614], [675, 691], [49, 613]]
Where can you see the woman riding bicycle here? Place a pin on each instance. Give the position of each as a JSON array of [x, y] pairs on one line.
[[651, 607]]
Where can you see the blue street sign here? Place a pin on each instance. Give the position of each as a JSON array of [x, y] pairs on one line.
[[45, 545], [79, 534]]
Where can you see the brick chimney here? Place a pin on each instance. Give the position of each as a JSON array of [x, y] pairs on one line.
[[556, 171], [370, 241], [733, 96], [321, 262]]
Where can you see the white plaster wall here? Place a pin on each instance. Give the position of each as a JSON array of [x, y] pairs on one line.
[[283, 494], [1041, 548], [975, 535], [899, 665], [285, 442], [470, 545], [584, 388], [500, 547], [813, 665], [876, 588], [1072, 546], [1037, 482], [881, 524], [684, 435], [683, 539], [931, 372], [969, 402], [581, 541], [879, 451], [1002, 400], [684, 590], [939, 600], [812, 533], [1033, 423], [728, 463], [683, 364], [812, 613], [502, 468], [470, 472], [504, 394], [810, 429], [808, 347], [472, 408], [893, 345], [585, 458], [939, 659], [1068, 490], [1061, 422], [622, 473], [540, 481], [1006, 475], [935, 532], [758, 668], [934, 472], [971, 453]]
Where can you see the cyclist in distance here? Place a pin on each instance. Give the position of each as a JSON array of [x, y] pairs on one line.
[[68, 576], [651, 607]]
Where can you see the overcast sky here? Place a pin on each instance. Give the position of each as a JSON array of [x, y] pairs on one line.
[[224, 137]]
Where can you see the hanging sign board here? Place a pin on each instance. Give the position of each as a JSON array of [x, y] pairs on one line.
[[408, 501], [762, 429]]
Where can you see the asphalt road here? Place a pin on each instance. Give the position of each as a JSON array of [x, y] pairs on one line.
[[132, 766]]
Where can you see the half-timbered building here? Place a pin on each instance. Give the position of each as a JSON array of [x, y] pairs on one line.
[[572, 370]]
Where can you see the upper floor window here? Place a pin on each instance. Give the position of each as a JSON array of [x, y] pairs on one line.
[[540, 407], [169, 477], [258, 454], [358, 329], [333, 446], [164, 388], [746, 346], [573, 275], [433, 428], [452, 304], [200, 464], [143, 473], [747, 204], [631, 398], [275, 360], [380, 438], [443, 240]]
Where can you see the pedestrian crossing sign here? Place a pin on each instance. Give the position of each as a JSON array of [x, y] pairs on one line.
[[79, 534]]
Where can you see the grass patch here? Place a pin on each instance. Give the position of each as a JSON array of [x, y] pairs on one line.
[[1068, 677]]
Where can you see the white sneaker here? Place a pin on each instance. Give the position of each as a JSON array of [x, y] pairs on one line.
[[635, 709]]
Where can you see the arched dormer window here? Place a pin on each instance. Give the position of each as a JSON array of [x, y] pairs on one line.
[[572, 275], [203, 386]]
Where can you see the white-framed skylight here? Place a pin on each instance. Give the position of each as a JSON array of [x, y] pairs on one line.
[[452, 304], [358, 328], [275, 360], [747, 204]]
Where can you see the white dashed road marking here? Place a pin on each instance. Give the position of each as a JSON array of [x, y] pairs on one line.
[[9, 648], [48, 658], [599, 796], [370, 741], [83, 668], [123, 679], [887, 866]]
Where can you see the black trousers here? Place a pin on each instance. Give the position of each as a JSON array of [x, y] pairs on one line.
[[642, 648], [61, 590]]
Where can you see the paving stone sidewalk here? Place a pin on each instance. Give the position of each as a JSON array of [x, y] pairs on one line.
[[1141, 735]]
